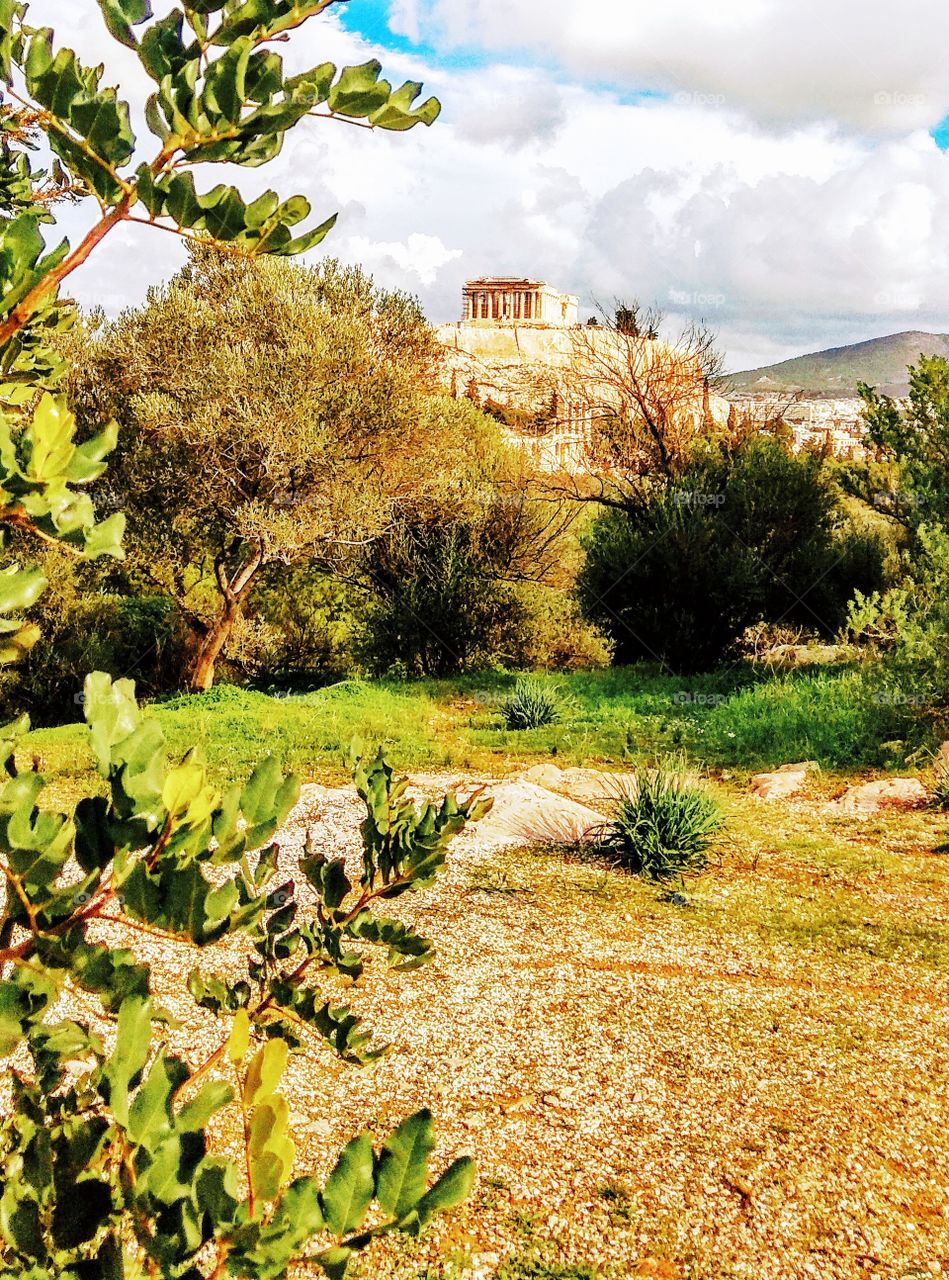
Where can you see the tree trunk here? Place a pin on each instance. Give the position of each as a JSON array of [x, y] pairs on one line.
[[233, 592], [201, 674]]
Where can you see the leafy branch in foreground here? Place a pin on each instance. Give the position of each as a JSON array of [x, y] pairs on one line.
[[221, 95], [105, 1163]]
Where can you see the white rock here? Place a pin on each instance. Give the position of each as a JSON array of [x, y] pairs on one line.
[[783, 782], [868, 798]]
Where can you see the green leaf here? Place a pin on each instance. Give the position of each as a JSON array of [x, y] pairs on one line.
[[20, 1222], [335, 1261], [403, 1164], [349, 1188], [195, 1114], [451, 1189], [225, 81], [121, 15], [94, 848], [270, 1152], [105, 538], [264, 1073], [132, 1043], [239, 1039], [19, 588], [111, 713]]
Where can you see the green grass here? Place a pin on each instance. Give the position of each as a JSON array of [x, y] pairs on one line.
[[618, 717]]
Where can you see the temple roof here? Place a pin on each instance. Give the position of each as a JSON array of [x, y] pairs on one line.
[[507, 282]]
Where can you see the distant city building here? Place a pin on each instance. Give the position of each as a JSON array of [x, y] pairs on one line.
[[516, 300]]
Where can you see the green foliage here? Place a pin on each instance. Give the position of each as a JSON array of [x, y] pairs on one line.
[[838, 717], [84, 628], [906, 480], [743, 537], [458, 581], [666, 827], [106, 1167], [221, 95], [533, 704], [40, 468], [174, 855], [905, 477], [309, 432]]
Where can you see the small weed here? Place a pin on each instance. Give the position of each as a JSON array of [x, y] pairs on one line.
[[618, 1200], [529, 1267], [939, 789]]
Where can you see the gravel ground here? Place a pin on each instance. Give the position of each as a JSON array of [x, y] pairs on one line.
[[648, 1089]]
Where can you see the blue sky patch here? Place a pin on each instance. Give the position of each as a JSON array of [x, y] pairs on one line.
[[370, 19], [941, 134]]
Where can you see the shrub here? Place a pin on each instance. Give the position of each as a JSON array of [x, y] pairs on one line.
[[749, 536], [532, 705], [171, 856], [553, 634], [107, 1160], [665, 828], [141, 637]]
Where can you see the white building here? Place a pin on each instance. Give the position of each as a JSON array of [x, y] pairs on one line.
[[515, 300]]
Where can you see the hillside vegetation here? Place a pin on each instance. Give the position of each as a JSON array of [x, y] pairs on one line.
[[881, 362]]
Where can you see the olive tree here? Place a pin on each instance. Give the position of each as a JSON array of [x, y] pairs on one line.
[[270, 416]]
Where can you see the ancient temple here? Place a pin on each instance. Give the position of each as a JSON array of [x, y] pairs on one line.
[[515, 300]]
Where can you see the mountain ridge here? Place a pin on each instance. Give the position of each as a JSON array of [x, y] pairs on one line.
[[882, 362]]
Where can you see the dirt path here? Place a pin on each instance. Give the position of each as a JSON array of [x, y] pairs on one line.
[[753, 1086]]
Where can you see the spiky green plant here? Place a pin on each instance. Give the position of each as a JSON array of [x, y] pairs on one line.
[[532, 705], [939, 791], [665, 827]]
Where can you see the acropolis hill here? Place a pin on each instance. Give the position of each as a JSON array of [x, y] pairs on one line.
[[521, 352]]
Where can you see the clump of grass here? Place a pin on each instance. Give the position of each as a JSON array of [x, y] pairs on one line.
[[665, 828], [532, 705], [939, 790]]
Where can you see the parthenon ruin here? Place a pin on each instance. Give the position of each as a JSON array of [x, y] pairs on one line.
[[515, 300]]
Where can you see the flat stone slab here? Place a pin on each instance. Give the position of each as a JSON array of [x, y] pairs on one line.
[[868, 798], [782, 783]]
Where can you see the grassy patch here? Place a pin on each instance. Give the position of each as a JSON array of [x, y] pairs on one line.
[[618, 717]]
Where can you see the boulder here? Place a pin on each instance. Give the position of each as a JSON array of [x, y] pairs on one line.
[[525, 813], [589, 786], [782, 783], [865, 799]]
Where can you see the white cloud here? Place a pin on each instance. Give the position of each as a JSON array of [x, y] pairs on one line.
[[864, 63], [419, 256], [775, 214]]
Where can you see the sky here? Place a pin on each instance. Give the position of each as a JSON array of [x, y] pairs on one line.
[[778, 169]]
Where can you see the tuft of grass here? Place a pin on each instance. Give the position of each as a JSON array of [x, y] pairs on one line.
[[532, 705], [939, 787], [666, 827]]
